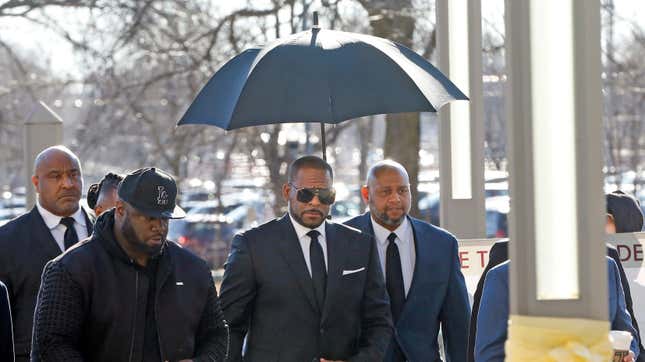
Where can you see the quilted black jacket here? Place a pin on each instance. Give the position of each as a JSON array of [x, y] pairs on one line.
[[92, 299]]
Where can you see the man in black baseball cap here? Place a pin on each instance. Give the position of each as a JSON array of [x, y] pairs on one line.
[[152, 192], [127, 293]]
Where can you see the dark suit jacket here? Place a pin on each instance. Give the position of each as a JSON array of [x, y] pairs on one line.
[[6, 330], [499, 254], [267, 295], [437, 296], [27, 245]]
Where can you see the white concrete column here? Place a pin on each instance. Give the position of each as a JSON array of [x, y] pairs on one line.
[[43, 128], [461, 136], [555, 159]]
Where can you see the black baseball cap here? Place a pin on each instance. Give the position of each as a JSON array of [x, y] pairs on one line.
[[152, 192]]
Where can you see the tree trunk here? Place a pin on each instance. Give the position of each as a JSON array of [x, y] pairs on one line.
[[392, 20], [365, 127], [402, 145]]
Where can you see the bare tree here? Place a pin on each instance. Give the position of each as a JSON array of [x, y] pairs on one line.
[[394, 20]]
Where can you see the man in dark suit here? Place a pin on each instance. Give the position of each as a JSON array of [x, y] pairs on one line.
[[301, 288], [422, 271], [6, 330], [623, 215], [28, 242]]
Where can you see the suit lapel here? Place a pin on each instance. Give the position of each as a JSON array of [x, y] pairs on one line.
[[292, 252], [367, 224], [422, 252], [89, 222], [43, 236], [336, 247]]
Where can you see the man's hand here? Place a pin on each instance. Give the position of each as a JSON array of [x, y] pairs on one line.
[[630, 358]]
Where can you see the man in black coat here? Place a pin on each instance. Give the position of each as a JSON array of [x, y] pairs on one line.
[[303, 289], [623, 215], [6, 330], [28, 242], [127, 294]]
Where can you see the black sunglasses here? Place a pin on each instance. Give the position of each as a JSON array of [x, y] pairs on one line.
[[304, 194]]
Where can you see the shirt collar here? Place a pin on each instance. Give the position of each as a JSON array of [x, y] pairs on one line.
[[52, 220], [302, 230], [381, 233]]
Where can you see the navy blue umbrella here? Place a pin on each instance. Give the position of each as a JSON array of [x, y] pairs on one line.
[[320, 75]]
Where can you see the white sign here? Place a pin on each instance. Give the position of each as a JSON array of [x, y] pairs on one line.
[[473, 254]]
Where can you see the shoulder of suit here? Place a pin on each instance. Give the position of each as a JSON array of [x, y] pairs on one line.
[[356, 220], [262, 230], [18, 227], [424, 229], [501, 269], [345, 228], [16, 223]]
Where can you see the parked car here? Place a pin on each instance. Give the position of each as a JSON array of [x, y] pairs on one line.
[[7, 214], [209, 227], [208, 237], [497, 208], [210, 208], [344, 210], [429, 208]]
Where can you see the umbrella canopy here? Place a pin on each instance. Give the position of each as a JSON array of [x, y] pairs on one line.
[[322, 76]]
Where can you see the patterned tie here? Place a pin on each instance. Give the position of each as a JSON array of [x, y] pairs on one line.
[[318, 271], [394, 284], [71, 237]]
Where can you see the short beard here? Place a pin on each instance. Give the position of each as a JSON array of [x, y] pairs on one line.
[[139, 245], [382, 217], [302, 222]]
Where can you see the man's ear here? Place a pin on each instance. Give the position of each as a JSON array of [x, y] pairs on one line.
[[119, 208], [35, 181], [610, 224], [286, 188], [365, 193]]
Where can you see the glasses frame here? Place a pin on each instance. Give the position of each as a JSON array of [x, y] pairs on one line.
[[314, 191]]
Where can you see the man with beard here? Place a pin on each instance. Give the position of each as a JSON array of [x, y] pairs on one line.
[[127, 294], [422, 271], [301, 288], [28, 242]]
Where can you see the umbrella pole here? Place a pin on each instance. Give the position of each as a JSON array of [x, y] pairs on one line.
[[323, 142]]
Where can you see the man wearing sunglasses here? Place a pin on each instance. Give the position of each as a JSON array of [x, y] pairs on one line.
[[422, 271], [301, 288]]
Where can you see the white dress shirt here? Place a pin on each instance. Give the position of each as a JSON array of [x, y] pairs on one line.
[[58, 230], [404, 241], [305, 240]]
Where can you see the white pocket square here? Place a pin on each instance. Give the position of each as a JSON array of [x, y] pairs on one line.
[[347, 272]]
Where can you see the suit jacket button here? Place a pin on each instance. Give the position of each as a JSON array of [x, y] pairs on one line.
[[322, 330]]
